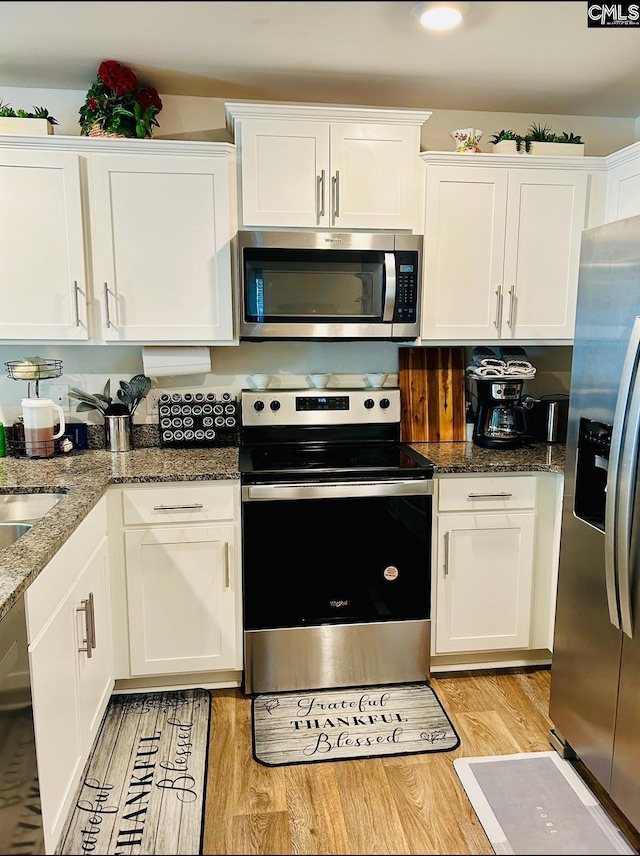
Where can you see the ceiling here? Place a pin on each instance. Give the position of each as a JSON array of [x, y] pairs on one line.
[[532, 57]]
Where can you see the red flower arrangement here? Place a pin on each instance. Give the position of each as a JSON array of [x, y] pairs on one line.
[[116, 104]]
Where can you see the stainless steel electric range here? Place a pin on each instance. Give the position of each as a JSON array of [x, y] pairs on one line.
[[336, 541]]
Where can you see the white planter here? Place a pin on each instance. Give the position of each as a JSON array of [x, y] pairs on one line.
[[506, 147], [563, 150], [26, 127]]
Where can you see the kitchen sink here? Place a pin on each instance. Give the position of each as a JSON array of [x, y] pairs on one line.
[[26, 507], [10, 532]]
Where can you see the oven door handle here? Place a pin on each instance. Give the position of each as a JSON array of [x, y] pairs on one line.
[[390, 287], [337, 490]]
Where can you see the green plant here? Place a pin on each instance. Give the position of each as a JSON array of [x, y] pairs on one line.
[[117, 104], [6, 111], [538, 133], [569, 138], [504, 135], [129, 396]]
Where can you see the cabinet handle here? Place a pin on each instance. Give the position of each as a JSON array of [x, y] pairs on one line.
[[92, 619], [446, 554], [498, 320], [336, 195], [501, 495], [75, 299], [320, 195], [89, 622], [107, 313], [512, 304], [195, 507], [225, 554]]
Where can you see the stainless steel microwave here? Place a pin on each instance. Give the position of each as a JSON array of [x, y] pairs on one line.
[[329, 285]]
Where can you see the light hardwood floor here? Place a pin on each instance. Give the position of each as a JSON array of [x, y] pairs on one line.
[[409, 804]]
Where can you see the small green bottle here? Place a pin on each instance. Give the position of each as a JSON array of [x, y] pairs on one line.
[[3, 444]]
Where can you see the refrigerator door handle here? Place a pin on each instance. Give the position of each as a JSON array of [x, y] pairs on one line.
[[621, 478], [626, 493]]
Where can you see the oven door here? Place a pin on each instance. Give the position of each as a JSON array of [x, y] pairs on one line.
[[337, 583]]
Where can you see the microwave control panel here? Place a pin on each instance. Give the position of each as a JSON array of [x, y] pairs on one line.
[[406, 287]]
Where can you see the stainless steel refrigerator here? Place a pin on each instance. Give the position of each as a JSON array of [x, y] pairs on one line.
[[595, 675]]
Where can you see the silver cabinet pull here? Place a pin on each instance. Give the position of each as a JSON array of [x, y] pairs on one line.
[[336, 195], [92, 619], [107, 313], [320, 195], [89, 623], [446, 554], [225, 555], [75, 299], [512, 305], [501, 495], [498, 320], [195, 507]]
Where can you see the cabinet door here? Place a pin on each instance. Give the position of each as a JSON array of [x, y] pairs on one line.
[[53, 661], [484, 581], [42, 269], [374, 176], [546, 214], [623, 186], [163, 265], [181, 589], [285, 173], [95, 673], [463, 252]]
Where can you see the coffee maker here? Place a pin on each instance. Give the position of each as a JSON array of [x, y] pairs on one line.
[[501, 413]]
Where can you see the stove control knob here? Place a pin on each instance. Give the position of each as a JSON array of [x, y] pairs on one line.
[[258, 405], [275, 406], [384, 403], [369, 403]]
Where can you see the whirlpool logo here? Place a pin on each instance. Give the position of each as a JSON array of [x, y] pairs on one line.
[[338, 604], [613, 14]]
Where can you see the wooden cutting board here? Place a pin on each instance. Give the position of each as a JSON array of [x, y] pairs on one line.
[[432, 383]]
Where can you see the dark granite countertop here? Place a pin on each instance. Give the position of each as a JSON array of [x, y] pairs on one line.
[[85, 476], [469, 458]]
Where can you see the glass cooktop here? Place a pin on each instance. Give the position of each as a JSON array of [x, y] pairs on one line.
[[388, 460]]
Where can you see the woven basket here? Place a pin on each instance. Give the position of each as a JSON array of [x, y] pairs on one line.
[[96, 131]]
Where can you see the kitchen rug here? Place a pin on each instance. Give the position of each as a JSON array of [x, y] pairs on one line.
[[143, 789], [536, 803], [343, 724]]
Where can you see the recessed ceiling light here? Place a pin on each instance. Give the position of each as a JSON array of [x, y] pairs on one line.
[[439, 16]]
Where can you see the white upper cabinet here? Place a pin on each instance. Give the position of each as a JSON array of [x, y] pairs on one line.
[[623, 183], [162, 236], [502, 248], [326, 166], [116, 240], [43, 289]]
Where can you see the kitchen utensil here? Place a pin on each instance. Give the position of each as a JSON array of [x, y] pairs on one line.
[[376, 379], [431, 382], [259, 381], [38, 426], [318, 381], [117, 432]]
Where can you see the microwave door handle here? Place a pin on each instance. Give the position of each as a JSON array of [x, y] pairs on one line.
[[389, 286]]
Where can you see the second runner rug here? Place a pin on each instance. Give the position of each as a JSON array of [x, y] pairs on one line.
[[342, 724]]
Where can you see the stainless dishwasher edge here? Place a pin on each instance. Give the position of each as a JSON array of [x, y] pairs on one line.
[[20, 814]]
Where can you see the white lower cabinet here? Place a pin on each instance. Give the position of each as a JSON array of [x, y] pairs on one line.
[[495, 563], [70, 655], [180, 593]]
